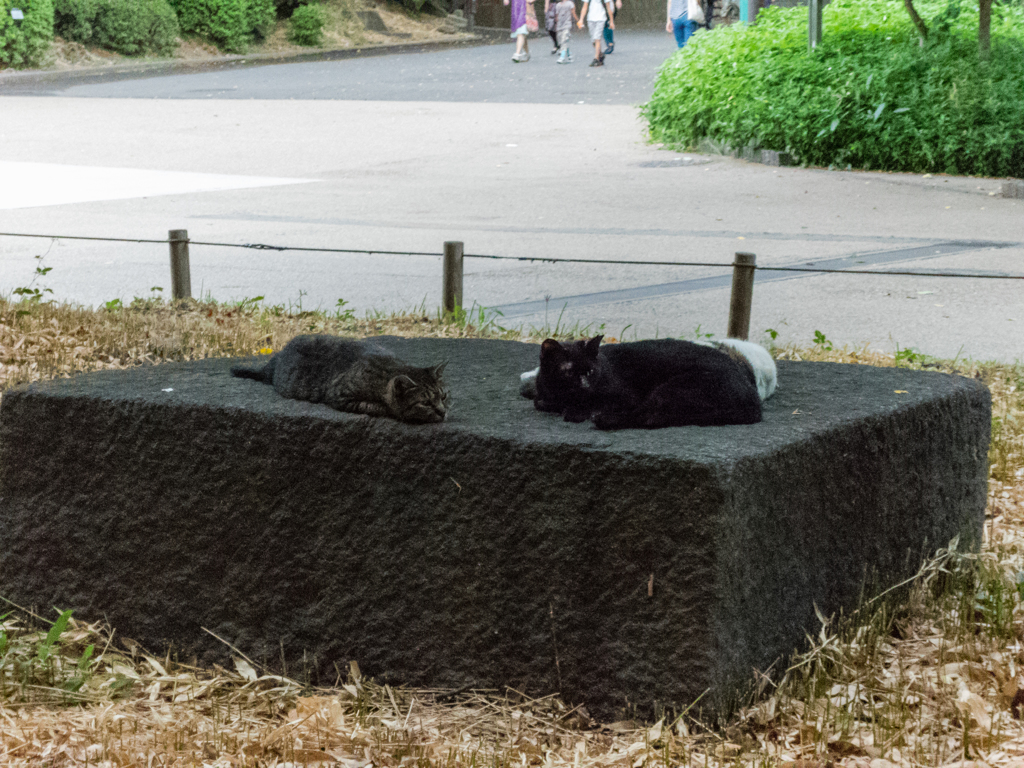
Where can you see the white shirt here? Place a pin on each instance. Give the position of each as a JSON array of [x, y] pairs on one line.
[[596, 11]]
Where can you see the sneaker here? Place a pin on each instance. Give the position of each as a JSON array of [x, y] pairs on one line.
[[555, 50], [525, 56], [597, 63], [568, 59], [561, 60], [516, 58], [609, 49]]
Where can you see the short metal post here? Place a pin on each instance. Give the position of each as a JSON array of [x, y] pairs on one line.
[[181, 276], [742, 295], [814, 23], [452, 287]]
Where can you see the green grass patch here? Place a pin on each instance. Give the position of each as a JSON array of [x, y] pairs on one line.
[[870, 96]]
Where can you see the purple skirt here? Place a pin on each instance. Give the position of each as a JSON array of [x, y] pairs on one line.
[[518, 9]]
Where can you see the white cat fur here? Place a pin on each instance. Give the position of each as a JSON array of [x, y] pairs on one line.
[[528, 383], [765, 373]]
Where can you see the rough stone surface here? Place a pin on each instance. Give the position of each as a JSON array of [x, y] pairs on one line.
[[503, 547], [1013, 189], [777, 159]]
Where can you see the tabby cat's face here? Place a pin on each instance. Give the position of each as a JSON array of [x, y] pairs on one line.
[[421, 398]]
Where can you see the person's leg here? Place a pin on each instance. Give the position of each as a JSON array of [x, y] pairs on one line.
[[520, 42], [679, 27], [690, 28], [609, 34]]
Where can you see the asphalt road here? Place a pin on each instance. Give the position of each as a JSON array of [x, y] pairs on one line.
[[464, 74], [403, 152]]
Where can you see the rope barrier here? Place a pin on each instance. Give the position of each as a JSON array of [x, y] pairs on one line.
[[543, 259], [82, 237]]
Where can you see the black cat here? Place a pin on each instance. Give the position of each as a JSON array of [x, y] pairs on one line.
[[646, 384], [355, 377]]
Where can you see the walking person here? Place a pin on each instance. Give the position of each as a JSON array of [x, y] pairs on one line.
[[565, 16], [598, 13], [519, 31], [551, 22], [609, 31], [679, 21]]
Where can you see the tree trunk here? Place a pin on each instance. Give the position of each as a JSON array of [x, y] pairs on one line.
[[984, 28], [922, 29]]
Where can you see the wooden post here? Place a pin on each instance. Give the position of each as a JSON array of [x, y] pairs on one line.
[[742, 294], [181, 276], [814, 23], [451, 295]]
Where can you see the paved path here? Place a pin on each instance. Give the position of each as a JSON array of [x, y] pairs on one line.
[[525, 170], [465, 74]]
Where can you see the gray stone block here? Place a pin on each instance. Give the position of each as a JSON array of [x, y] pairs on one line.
[[372, 21], [503, 547], [776, 159], [1013, 189]]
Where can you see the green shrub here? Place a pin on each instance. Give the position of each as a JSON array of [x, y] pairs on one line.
[[134, 27], [229, 24], [260, 17], [26, 45], [869, 96], [129, 27], [307, 25], [72, 19]]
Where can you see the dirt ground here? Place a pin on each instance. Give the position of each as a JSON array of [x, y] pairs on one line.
[[344, 29]]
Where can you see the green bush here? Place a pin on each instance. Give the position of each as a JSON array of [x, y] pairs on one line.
[[72, 19], [26, 45], [133, 27], [869, 96], [260, 17], [307, 25], [129, 27], [229, 24]]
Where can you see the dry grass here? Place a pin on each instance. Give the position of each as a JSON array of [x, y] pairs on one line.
[[926, 675]]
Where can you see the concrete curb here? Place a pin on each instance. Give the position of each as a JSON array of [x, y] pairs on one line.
[[13, 80]]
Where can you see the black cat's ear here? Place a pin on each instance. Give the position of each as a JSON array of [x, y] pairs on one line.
[[592, 346], [437, 370], [550, 349]]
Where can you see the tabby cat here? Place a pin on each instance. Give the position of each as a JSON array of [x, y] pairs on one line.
[[652, 384], [355, 377]]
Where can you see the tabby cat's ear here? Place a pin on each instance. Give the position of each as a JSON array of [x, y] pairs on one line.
[[550, 349], [437, 370], [592, 346], [403, 385]]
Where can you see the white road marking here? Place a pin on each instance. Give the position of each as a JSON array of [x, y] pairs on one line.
[[33, 185]]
